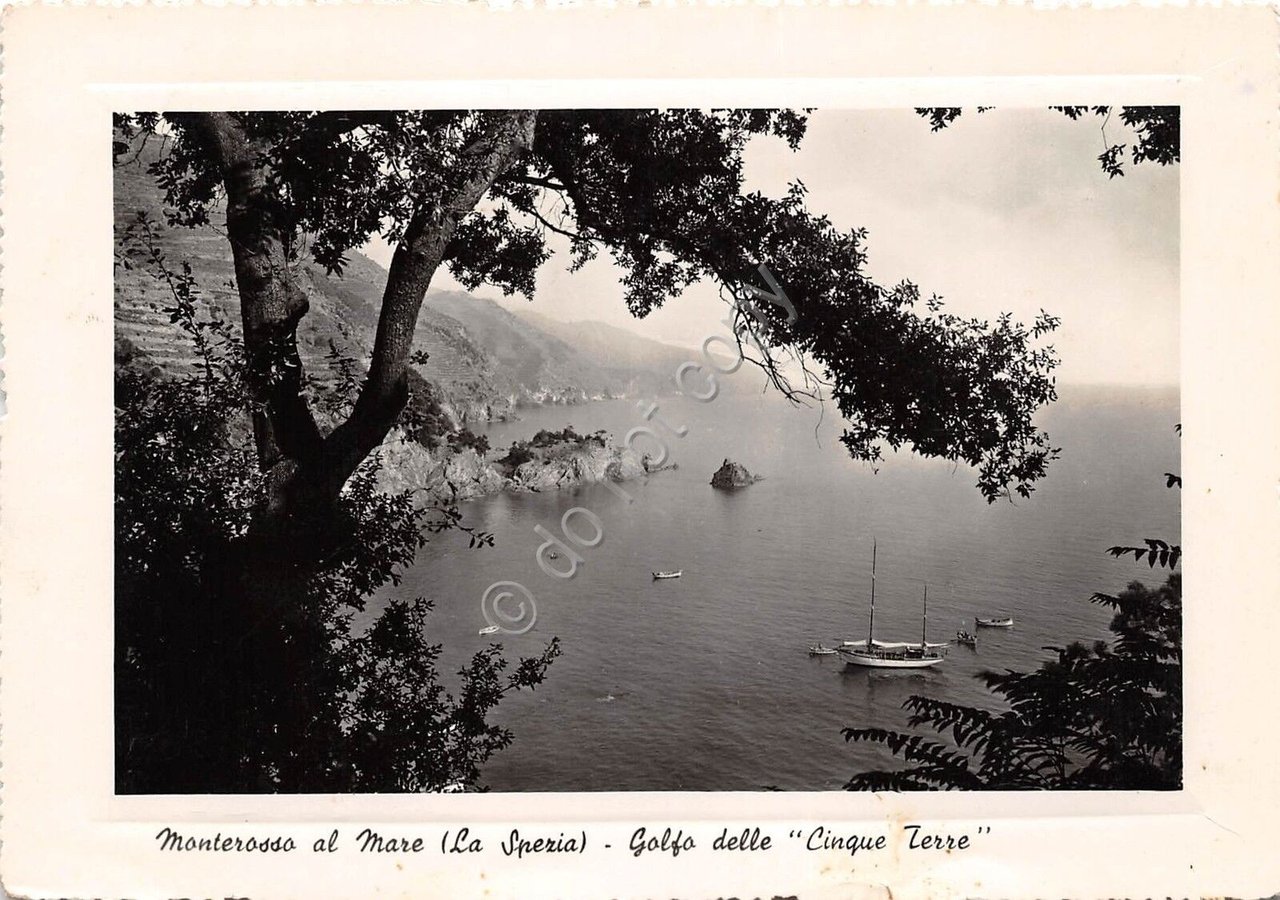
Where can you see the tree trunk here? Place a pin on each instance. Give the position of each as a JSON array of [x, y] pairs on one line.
[[416, 259], [263, 640], [306, 471]]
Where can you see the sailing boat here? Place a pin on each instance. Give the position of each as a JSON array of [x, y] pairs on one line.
[[892, 654]]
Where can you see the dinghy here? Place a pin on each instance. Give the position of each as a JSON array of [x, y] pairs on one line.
[[675, 574], [997, 622]]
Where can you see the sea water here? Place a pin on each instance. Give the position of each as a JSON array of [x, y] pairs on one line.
[[703, 682]]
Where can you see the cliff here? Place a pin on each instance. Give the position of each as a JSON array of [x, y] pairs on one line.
[[446, 475], [732, 475]]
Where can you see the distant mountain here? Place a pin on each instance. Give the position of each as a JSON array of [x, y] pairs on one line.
[[614, 348], [630, 356], [483, 361]]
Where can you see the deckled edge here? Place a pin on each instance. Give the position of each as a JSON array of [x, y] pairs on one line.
[[509, 5], [5, 6]]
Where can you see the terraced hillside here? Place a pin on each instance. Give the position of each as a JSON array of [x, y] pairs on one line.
[[483, 361], [342, 315]]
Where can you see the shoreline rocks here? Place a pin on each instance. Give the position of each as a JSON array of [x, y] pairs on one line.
[[464, 475], [731, 476]]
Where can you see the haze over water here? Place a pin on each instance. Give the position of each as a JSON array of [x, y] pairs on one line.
[[703, 682]]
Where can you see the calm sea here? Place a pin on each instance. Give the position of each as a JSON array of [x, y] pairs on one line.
[[703, 682]]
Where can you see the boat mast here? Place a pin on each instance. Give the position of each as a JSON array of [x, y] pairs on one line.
[[924, 622], [871, 625]]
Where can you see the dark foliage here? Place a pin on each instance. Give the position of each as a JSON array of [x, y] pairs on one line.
[[518, 454], [549, 438], [1155, 552], [466, 438], [521, 452], [939, 116], [215, 693], [424, 419]]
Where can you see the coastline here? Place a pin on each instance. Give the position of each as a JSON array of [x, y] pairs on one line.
[[457, 475]]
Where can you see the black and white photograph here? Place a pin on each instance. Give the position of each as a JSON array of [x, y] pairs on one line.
[[647, 449], [547, 450]]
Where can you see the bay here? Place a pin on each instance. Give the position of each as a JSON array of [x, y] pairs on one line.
[[703, 682]]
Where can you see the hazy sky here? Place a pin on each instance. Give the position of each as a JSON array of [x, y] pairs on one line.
[[1007, 210]]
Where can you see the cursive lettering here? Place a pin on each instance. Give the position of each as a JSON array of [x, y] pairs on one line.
[[675, 844], [822, 839], [173, 840], [517, 846], [917, 841]]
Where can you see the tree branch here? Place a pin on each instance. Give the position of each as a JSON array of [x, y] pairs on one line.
[[571, 235], [731, 283], [536, 182], [413, 265]]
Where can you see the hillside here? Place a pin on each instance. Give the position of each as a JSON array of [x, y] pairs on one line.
[[342, 314], [643, 367], [638, 365], [484, 361], [595, 360]]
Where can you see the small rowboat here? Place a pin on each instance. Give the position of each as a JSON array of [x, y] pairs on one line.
[[675, 574], [819, 650], [967, 638], [489, 629], [1001, 622]]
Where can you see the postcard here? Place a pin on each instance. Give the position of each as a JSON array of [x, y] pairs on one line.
[[636, 451]]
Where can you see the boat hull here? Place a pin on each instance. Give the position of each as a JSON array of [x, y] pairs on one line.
[[870, 661]]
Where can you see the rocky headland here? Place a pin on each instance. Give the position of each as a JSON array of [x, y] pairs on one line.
[[549, 461]]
